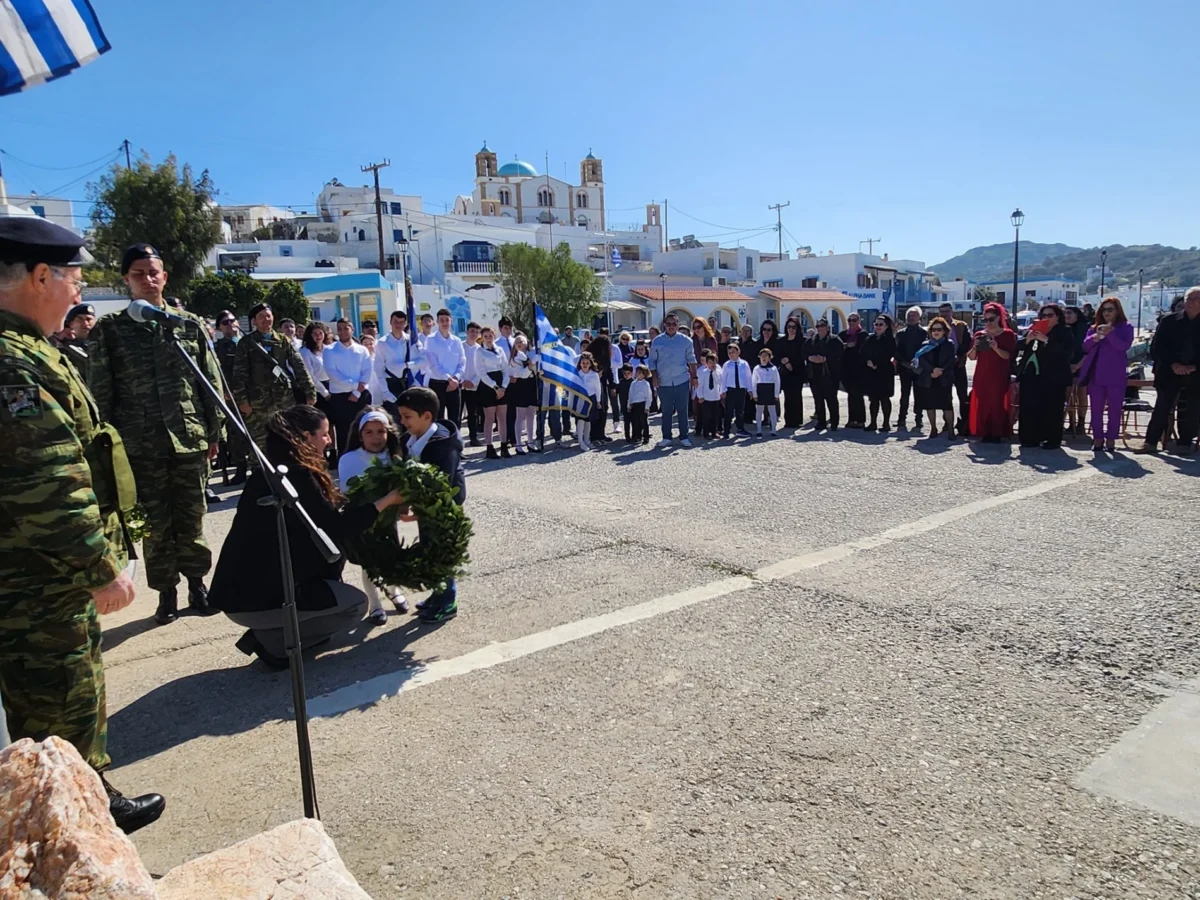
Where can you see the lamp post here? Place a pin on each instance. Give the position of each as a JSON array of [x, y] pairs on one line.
[[662, 281], [1139, 331], [1103, 263], [1018, 219]]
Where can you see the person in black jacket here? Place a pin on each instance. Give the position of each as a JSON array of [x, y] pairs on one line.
[[789, 354], [437, 444], [248, 583], [854, 371], [878, 354], [1077, 398], [933, 366], [908, 341], [1045, 375], [823, 356], [1176, 354]]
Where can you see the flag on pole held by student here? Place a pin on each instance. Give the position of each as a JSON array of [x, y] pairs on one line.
[[41, 40], [562, 385]]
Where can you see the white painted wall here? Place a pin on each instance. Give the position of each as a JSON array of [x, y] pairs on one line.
[[52, 209]]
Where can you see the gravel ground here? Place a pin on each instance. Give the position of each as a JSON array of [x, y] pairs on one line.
[[905, 721]]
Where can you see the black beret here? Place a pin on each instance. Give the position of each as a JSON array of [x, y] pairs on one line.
[[136, 252], [80, 309], [32, 240], [257, 308]]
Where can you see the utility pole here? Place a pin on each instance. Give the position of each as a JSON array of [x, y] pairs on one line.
[[374, 169], [128, 164], [778, 207], [870, 242]]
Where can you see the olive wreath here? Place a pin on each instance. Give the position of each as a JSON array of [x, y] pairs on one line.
[[136, 524], [439, 555]]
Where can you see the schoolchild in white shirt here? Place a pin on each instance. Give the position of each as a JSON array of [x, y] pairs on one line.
[[736, 382], [591, 384], [708, 392], [640, 397], [766, 391]]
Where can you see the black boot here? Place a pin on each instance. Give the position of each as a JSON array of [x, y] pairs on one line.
[[168, 607], [130, 814], [239, 476], [198, 598]]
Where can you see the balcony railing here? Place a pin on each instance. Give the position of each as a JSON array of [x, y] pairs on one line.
[[461, 267]]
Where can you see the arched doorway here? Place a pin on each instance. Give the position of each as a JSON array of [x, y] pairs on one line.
[[684, 316], [804, 317], [726, 318], [837, 321]]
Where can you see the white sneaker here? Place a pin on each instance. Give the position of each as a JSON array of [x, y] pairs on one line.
[[665, 442], [686, 442]]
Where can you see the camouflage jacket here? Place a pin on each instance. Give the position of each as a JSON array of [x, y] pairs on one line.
[[53, 536], [255, 380], [147, 391], [76, 351]]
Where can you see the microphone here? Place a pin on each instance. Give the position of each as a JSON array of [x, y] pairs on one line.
[[144, 311]]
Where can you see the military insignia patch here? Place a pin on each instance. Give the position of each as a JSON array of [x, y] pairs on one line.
[[20, 402]]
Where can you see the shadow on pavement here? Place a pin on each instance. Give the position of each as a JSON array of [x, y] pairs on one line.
[[222, 702], [1043, 460]]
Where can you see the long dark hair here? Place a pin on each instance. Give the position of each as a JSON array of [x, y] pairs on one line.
[[1059, 315], [354, 441], [287, 443], [309, 341]]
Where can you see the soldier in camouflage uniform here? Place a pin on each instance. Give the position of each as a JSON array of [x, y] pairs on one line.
[[261, 386], [225, 349], [72, 340], [170, 424], [62, 551]]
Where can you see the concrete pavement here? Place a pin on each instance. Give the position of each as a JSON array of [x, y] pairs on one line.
[[803, 667]]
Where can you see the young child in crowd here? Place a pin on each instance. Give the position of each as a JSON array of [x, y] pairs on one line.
[[623, 387], [766, 391], [708, 393], [373, 436], [437, 444], [640, 397], [591, 383], [735, 386]]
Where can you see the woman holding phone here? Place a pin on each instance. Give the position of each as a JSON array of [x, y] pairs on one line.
[[990, 418], [1045, 375], [1104, 372]]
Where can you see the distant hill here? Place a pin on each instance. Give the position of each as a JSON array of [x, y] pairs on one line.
[[1181, 268], [995, 262]]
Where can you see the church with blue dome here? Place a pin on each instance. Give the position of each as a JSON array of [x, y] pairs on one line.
[[516, 190]]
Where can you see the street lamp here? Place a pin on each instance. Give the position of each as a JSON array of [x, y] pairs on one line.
[[1018, 219], [1103, 263], [662, 281], [1139, 331]]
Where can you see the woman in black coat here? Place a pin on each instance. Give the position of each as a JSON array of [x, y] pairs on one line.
[[789, 356], [1045, 375], [854, 371], [248, 585], [878, 355], [823, 369], [1077, 397], [934, 367]]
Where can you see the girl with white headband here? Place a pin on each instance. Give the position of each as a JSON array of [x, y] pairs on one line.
[[373, 436]]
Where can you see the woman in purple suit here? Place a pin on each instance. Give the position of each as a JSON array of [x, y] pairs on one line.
[[1104, 370]]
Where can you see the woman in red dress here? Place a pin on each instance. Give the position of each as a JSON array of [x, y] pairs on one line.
[[991, 409]]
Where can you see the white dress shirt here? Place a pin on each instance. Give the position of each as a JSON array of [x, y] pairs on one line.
[[505, 345], [517, 368], [417, 445], [738, 372], [471, 373], [591, 383], [616, 360], [391, 358], [316, 369], [639, 392], [490, 361], [348, 366], [444, 357], [297, 343], [767, 375], [706, 390]]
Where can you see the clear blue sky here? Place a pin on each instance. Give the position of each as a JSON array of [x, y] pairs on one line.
[[923, 123]]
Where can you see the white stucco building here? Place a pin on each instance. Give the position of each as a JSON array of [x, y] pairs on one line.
[[878, 283], [1035, 292], [243, 220], [52, 209]]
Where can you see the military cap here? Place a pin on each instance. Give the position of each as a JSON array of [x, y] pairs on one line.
[[257, 308], [136, 252], [79, 309], [32, 240]]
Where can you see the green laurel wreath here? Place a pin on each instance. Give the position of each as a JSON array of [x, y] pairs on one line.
[[438, 556]]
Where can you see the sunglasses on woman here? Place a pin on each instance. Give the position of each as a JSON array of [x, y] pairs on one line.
[[991, 318], [1046, 315], [937, 331], [881, 324]]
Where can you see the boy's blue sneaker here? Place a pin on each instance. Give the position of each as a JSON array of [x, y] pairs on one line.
[[440, 606]]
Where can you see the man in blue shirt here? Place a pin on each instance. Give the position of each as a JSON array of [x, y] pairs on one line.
[[673, 362]]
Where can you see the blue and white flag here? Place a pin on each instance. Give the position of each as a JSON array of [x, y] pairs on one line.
[[41, 40], [562, 385], [616, 258]]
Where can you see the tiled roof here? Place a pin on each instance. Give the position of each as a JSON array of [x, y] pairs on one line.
[[696, 295], [809, 295]]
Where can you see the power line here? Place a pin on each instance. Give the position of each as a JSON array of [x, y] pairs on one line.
[[779, 207], [704, 222], [26, 162], [100, 168]]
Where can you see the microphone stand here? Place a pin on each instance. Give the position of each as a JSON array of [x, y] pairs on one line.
[[283, 497]]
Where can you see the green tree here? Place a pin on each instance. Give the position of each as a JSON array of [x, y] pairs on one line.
[[568, 291], [984, 294], [162, 205], [234, 291], [98, 276], [288, 302]]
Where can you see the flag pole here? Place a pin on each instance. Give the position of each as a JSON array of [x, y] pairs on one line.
[[537, 378]]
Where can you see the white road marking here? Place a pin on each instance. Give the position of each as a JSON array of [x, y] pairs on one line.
[[1156, 765], [373, 690]]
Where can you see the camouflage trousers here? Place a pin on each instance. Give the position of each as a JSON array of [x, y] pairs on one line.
[[256, 424], [171, 491], [51, 672]]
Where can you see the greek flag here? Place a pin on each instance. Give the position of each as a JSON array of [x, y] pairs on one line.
[[41, 40], [616, 258], [562, 385]]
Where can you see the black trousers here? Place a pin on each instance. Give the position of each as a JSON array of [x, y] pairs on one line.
[[793, 403], [641, 423], [342, 411], [1040, 418], [451, 401], [710, 417], [856, 403], [826, 397], [510, 422], [735, 409], [474, 415], [907, 379], [964, 394], [884, 403], [600, 423], [1171, 389]]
